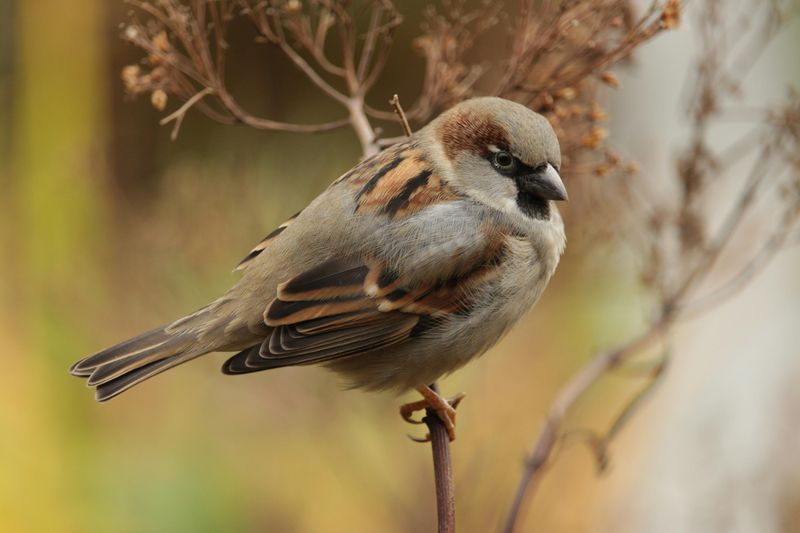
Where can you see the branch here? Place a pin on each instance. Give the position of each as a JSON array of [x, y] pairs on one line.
[[442, 470], [179, 114], [549, 436], [360, 124], [182, 63], [735, 216], [246, 118], [398, 109], [750, 269], [303, 65], [280, 25]]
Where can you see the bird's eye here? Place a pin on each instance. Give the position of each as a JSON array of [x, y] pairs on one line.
[[504, 162]]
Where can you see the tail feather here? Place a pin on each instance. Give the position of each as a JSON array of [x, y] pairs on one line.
[[109, 389], [116, 367], [128, 363], [124, 349], [122, 366]]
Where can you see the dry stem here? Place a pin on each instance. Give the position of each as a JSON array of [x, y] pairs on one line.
[[536, 465], [442, 470]]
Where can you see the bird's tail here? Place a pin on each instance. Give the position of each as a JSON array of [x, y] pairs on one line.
[[120, 367]]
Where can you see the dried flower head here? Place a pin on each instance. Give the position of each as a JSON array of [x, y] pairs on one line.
[[671, 15], [159, 99]]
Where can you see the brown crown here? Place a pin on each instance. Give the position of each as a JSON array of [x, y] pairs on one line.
[[471, 132]]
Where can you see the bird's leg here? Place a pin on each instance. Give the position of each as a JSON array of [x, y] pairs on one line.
[[445, 408]]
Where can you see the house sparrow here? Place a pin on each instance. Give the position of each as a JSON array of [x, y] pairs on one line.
[[408, 266]]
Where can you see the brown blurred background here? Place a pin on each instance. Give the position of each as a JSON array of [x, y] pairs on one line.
[[108, 228]]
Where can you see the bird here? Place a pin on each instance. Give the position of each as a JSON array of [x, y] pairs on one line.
[[408, 266]]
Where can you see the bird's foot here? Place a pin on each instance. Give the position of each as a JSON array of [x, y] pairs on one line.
[[445, 409]]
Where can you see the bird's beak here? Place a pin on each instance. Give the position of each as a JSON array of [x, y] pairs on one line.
[[547, 184]]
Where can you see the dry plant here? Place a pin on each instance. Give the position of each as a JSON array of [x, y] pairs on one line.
[[682, 238], [558, 54]]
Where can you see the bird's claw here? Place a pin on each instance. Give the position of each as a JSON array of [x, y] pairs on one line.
[[426, 438], [445, 409]]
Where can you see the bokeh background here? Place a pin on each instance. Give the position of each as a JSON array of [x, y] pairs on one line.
[[108, 228]]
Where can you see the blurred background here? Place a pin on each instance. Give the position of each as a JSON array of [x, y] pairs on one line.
[[109, 228]]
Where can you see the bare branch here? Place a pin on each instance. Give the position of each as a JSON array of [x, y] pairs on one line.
[[398, 109], [535, 466], [748, 271], [189, 68], [369, 44], [303, 65], [180, 113], [442, 469]]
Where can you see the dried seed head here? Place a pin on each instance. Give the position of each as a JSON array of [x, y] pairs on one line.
[[130, 73], [160, 47], [567, 93], [597, 113], [610, 79], [612, 158], [132, 78], [603, 169], [594, 138], [543, 102], [294, 6], [671, 16], [161, 42], [159, 99], [561, 111], [131, 32]]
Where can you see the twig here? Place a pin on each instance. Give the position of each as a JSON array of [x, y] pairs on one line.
[[549, 436], [398, 109], [179, 114], [246, 118], [750, 269], [442, 470], [307, 69]]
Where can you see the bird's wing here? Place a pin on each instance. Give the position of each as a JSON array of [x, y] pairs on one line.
[[405, 253], [345, 306]]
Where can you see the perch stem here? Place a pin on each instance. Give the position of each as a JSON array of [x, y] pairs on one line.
[[442, 470]]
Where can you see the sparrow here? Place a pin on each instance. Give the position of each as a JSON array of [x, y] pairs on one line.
[[408, 266]]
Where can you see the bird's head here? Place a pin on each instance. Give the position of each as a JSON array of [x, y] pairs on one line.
[[501, 154]]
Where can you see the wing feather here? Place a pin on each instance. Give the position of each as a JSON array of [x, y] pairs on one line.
[[347, 305], [265, 242]]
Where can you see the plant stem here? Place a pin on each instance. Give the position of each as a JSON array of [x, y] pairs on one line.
[[535, 467], [360, 124], [442, 470]]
